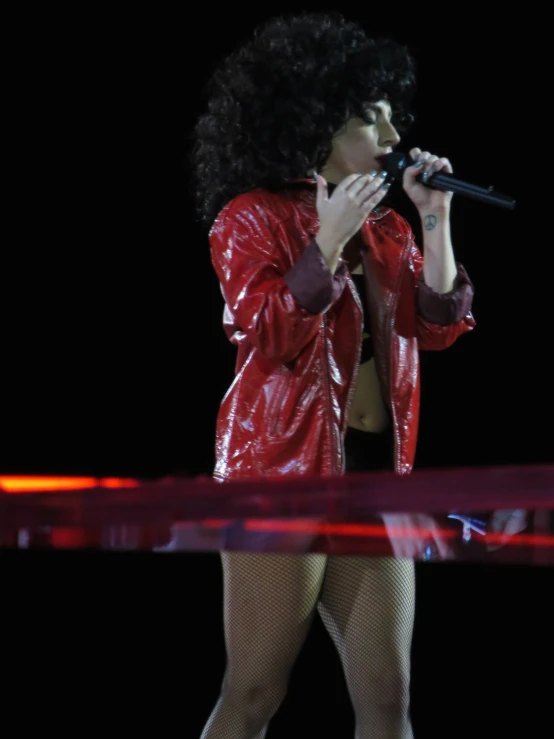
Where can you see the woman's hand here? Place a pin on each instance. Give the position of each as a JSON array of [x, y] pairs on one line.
[[425, 198], [343, 214]]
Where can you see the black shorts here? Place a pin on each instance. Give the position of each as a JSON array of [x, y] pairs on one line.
[[366, 451]]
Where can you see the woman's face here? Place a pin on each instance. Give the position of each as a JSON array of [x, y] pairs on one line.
[[358, 145]]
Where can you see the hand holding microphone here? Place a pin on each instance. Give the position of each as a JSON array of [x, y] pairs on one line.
[[441, 179]]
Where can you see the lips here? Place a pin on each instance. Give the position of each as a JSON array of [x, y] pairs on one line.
[[379, 160]]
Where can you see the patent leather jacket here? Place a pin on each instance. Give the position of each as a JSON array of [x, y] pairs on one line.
[[298, 330]]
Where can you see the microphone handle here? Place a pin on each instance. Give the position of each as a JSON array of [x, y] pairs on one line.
[[444, 181]]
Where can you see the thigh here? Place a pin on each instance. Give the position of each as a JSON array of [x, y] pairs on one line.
[[269, 604], [367, 605]]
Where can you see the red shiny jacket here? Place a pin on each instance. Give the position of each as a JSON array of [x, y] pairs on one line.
[[298, 330]]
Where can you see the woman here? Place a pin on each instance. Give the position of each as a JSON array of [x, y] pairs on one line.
[[328, 300]]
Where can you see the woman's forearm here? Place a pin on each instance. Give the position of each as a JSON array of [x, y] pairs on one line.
[[439, 265]]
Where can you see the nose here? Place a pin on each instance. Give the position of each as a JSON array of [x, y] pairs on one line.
[[389, 136]]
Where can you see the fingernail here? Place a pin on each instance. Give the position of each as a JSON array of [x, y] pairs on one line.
[[315, 176], [373, 173], [419, 164], [416, 158], [383, 175], [386, 186], [432, 170], [425, 176]]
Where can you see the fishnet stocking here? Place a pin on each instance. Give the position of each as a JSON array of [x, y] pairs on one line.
[[367, 606], [269, 604]]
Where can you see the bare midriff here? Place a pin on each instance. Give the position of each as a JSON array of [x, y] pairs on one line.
[[368, 411]]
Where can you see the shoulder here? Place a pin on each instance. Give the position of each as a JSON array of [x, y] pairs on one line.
[[252, 209]]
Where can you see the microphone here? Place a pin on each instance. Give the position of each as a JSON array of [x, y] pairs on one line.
[[396, 163]]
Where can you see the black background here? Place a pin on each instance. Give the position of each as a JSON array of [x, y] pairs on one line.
[[114, 361]]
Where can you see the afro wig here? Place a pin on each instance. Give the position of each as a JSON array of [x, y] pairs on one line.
[[275, 104]]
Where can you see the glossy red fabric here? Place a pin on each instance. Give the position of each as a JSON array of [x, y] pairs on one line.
[[298, 330]]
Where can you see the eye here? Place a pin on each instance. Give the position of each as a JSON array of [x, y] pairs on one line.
[[368, 120]]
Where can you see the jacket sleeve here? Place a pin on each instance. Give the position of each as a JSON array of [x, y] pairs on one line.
[[278, 306], [441, 319]]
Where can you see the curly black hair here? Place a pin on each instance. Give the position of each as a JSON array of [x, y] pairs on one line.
[[275, 104]]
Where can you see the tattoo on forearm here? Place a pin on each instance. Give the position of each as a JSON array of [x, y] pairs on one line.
[[430, 222]]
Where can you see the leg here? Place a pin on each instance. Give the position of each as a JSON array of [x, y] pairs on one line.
[[269, 604], [367, 605]]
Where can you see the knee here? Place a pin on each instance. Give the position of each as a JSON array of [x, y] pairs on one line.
[[257, 698], [393, 693], [387, 693]]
